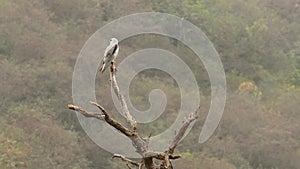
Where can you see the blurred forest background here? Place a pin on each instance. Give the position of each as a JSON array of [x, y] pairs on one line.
[[259, 45]]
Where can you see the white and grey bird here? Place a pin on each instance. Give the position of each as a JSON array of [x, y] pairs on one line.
[[110, 54]]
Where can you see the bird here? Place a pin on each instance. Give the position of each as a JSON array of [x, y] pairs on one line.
[[110, 54]]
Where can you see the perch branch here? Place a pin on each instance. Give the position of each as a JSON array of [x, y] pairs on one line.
[[120, 97]]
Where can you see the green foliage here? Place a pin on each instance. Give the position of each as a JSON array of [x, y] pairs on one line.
[[240, 30], [240, 162], [13, 152], [33, 140], [294, 75]]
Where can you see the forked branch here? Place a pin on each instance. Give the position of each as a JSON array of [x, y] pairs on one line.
[[139, 143]]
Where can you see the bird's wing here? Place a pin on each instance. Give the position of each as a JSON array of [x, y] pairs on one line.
[[110, 50]]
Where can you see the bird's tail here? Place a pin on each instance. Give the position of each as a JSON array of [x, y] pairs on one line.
[[102, 68]]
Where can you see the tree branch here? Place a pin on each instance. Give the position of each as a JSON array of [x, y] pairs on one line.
[[85, 113], [126, 160], [105, 116], [120, 97], [161, 155], [192, 117]]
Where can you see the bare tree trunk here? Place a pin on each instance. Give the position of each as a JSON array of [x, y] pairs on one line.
[[150, 160]]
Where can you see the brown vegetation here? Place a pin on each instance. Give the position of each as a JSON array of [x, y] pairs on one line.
[[258, 42]]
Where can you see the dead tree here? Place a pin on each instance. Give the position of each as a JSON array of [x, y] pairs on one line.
[[150, 160]]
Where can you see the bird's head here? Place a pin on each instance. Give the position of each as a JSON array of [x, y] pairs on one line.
[[114, 41]]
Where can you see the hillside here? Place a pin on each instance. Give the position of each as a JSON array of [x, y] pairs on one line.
[[258, 43]]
